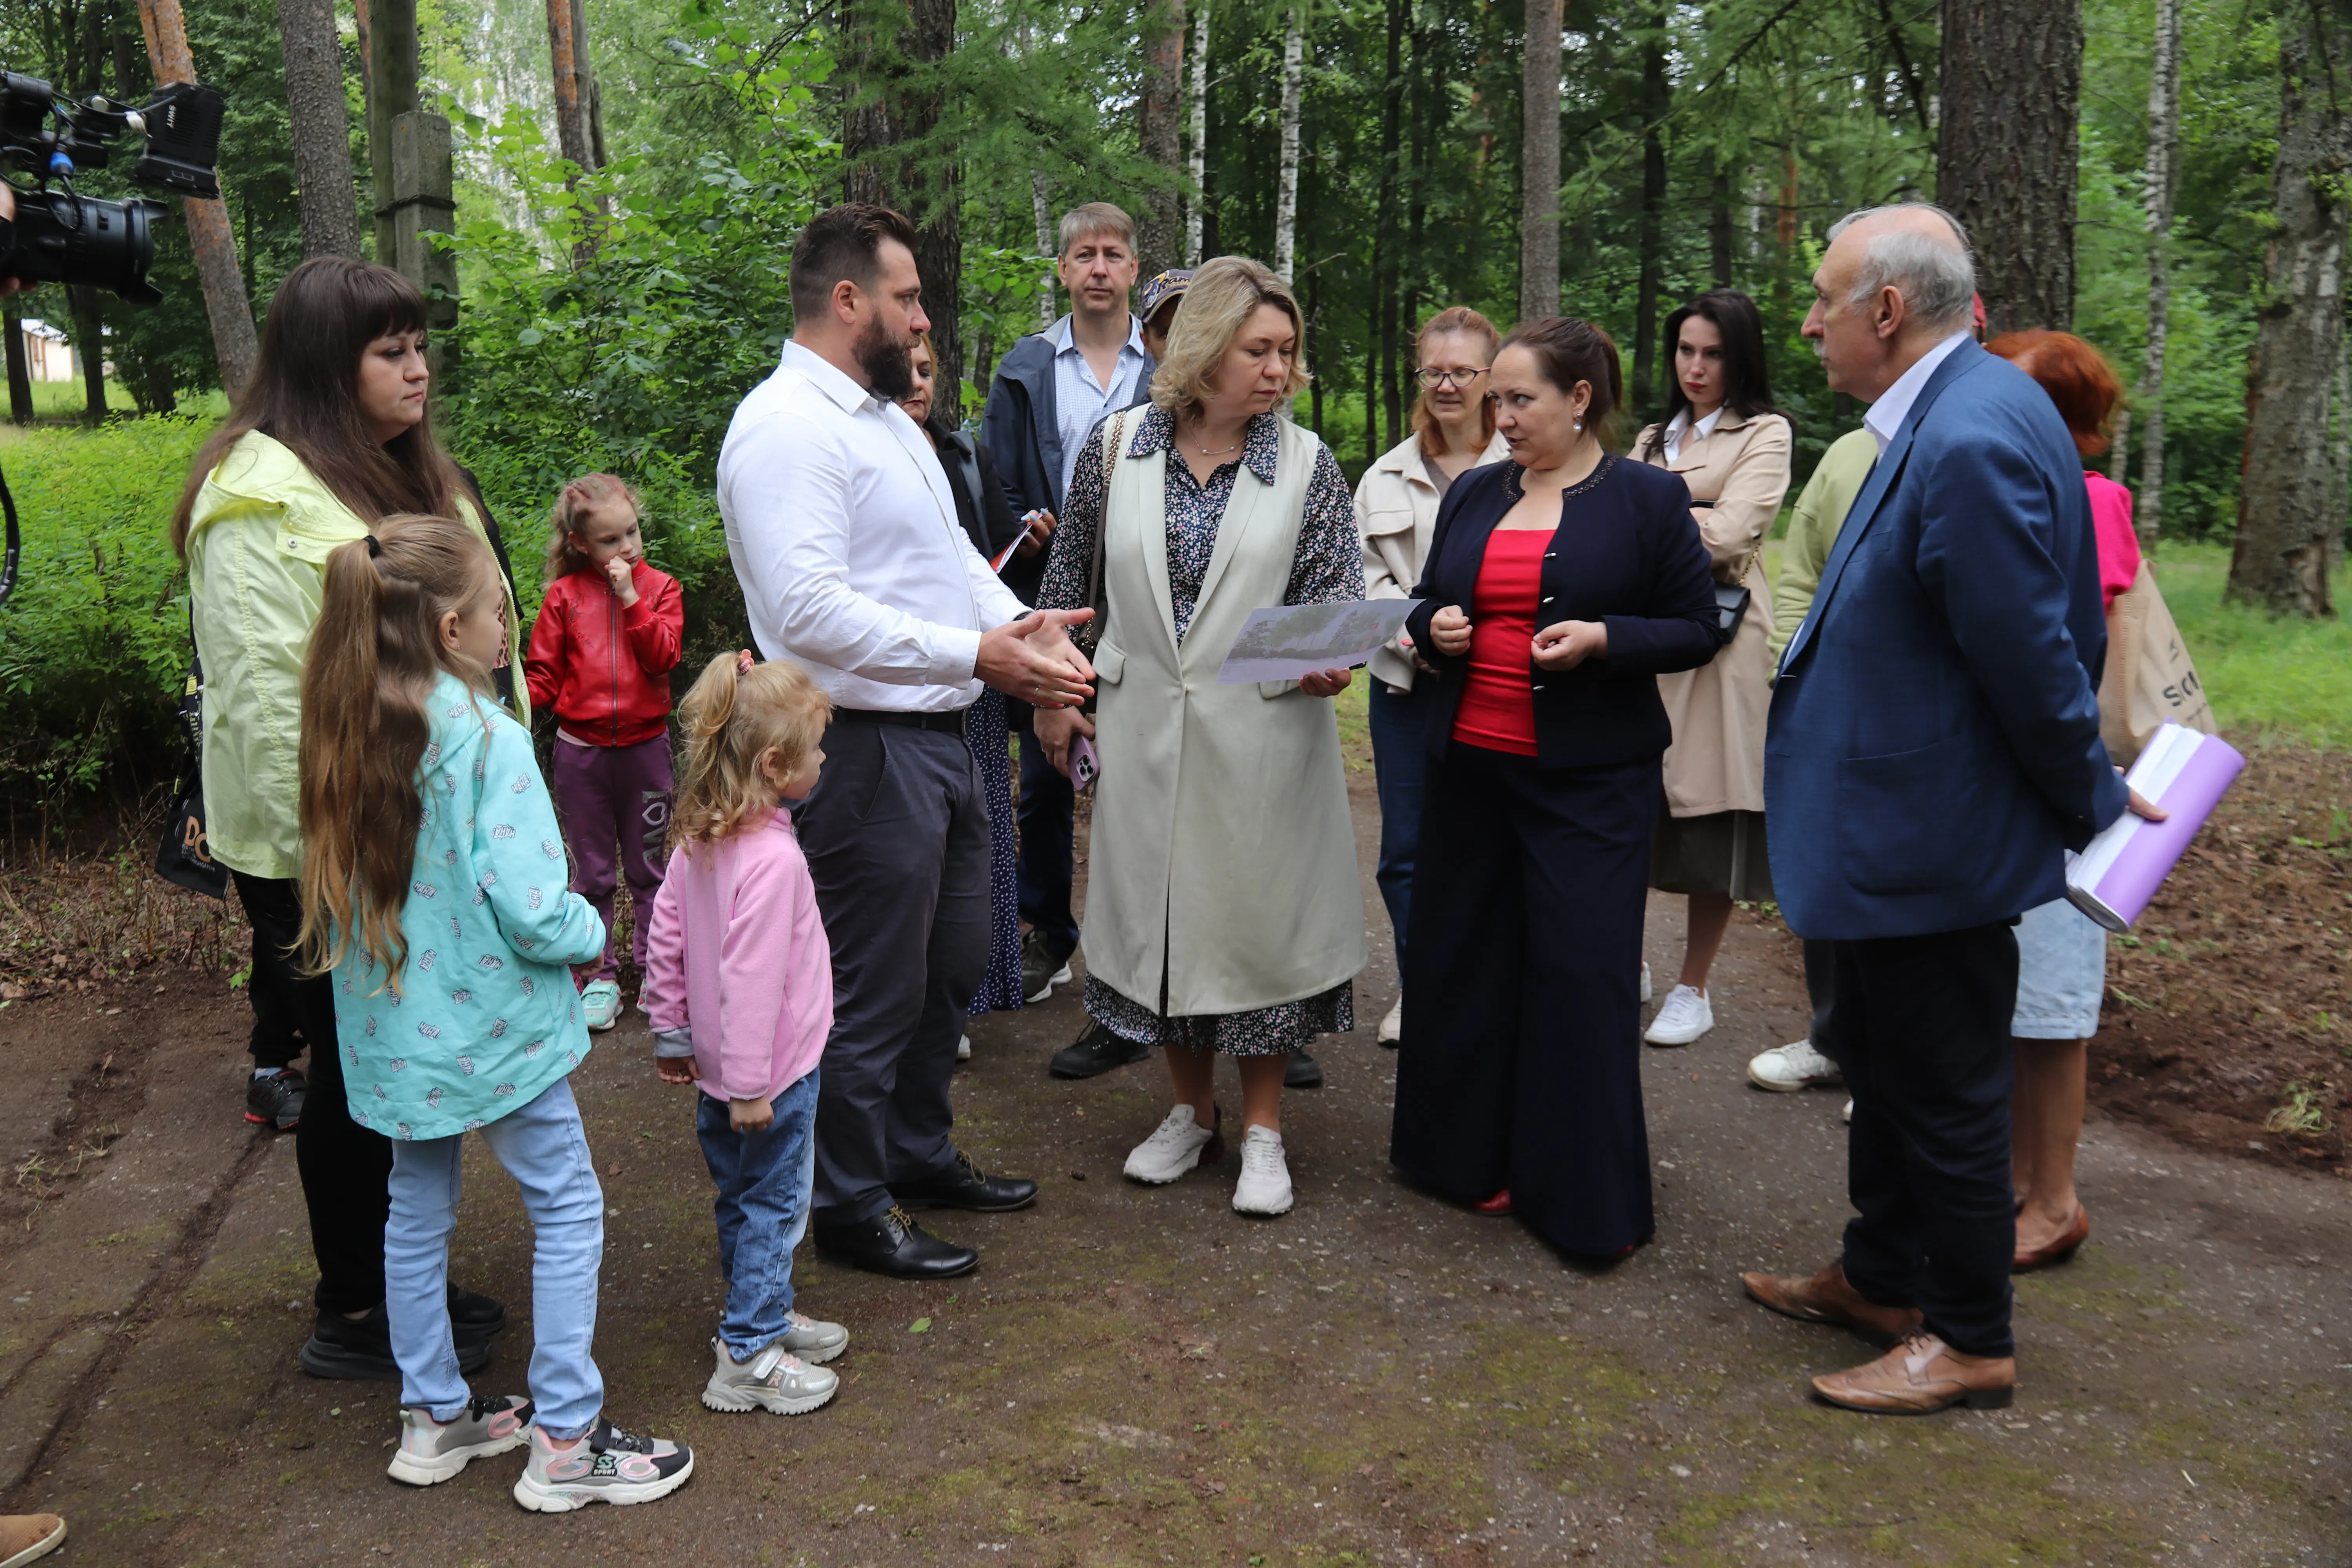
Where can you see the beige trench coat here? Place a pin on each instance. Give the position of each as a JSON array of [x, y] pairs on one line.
[[1396, 512], [1223, 853], [1716, 762]]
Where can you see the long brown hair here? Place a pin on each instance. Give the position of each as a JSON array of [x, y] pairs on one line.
[[578, 499], [736, 712], [374, 658], [1466, 323], [305, 394]]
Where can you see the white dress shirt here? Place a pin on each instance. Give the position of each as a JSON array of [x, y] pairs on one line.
[[1893, 405], [1681, 427], [1079, 400], [844, 535]]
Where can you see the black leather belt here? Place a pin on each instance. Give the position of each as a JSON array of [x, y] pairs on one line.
[[946, 723]]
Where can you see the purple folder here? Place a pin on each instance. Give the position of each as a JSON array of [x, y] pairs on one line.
[[2120, 871]]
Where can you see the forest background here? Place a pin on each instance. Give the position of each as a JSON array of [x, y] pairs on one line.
[[617, 303]]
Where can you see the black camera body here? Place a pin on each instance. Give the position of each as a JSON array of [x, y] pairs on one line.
[[62, 236]]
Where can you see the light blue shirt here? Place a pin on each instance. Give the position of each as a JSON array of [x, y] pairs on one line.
[[1079, 400], [1886, 416]]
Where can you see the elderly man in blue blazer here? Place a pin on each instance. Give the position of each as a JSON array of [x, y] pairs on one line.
[[1934, 746]]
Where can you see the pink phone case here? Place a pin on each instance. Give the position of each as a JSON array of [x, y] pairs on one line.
[[1084, 766]]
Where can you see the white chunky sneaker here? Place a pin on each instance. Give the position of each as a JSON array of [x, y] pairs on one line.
[[1265, 1186], [1846, 1115], [606, 1466], [1177, 1145], [1687, 1015], [774, 1380], [1646, 981], [815, 1342], [1393, 1027], [1792, 1067], [431, 1451], [963, 1047], [600, 1004]]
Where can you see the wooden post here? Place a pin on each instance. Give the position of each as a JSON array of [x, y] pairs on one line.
[[424, 202], [209, 236]]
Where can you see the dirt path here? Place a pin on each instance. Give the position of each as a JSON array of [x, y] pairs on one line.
[[1142, 1376]]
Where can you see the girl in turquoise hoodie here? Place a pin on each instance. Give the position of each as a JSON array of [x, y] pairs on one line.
[[435, 892]]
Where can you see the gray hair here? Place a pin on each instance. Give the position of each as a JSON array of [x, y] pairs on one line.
[[1936, 279]]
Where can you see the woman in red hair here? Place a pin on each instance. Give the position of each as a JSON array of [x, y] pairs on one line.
[[2062, 956]]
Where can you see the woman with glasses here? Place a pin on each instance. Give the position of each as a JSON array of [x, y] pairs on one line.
[[1396, 507], [1723, 436]]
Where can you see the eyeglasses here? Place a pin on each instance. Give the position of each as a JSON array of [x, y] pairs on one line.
[[1450, 377]]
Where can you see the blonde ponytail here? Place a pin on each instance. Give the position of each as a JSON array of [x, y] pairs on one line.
[[736, 712]]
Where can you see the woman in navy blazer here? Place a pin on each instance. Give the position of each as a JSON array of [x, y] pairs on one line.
[[1519, 1082]]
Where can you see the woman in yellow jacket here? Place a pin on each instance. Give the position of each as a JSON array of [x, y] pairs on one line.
[[1731, 445], [332, 436]]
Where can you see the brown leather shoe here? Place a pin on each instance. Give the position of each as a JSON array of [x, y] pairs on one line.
[[1919, 1376], [1826, 1298], [25, 1536], [2061, 1245]]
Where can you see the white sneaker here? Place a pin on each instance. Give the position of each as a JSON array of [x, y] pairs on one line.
[[1795, 1066], [963, 1047], [1265, 1186], [1393, 1027], [1645, 982], [1687, 1015], [431, 1451], [773, 1379], [607, 1466], [1177, 1145], [1846, 1115], [812, 1340], [600, 1002]]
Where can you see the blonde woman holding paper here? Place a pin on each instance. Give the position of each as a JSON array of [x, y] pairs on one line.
[[1224, 915]]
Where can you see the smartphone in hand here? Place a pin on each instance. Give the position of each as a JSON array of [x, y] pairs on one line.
[[1084, 766]]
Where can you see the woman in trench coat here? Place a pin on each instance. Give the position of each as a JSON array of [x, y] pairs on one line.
[[1224, 913], [1731, 445]]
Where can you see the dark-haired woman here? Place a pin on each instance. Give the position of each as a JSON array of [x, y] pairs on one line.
[[1731, 445], [1559, 587], [332, 436]]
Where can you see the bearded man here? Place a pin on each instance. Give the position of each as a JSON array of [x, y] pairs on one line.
[[844, 535]]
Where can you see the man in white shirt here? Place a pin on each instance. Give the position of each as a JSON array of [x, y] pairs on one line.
[[844, 535]]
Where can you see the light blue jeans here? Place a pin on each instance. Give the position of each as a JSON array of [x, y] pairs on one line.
[[545, 1150], [764, 1180]]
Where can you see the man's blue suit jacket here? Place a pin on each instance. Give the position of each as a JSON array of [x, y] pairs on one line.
[[1934, 740]]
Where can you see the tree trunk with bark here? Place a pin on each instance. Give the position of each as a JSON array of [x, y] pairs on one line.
[[1387, 270], [20, 368], [1539, 164], [319, 119], [1651, 228], [392, 92], [2290, 505], [235, 344], [1041, 204], [1197, 158], [2013, 74], [2163, 181], [1718, 223], [1159, 135], [567, 48], [90, 351], [1285, 193], [892, 101]]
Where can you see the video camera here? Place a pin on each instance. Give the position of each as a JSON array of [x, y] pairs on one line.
[[65, 237]]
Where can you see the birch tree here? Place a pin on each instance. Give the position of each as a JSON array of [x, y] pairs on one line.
[[1197, 165], [1286, 192], [2163, 180], [1047, 312]]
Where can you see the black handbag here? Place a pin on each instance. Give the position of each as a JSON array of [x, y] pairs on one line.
[[181, 855], [1731, 599]]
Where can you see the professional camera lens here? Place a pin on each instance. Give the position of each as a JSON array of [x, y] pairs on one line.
[[65, 238]]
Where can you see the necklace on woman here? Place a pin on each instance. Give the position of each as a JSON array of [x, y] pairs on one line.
[[1215, 451]]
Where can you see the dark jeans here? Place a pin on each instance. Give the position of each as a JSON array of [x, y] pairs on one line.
[[1048, 860], [615, 803], [1821, 958], [344, 1166], [1399, 723], [897, 839], [1920, 1025]]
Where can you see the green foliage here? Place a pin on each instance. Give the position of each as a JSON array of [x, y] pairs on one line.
[[94, 644]]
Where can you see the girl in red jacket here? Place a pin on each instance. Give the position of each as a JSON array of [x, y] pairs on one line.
[[600, 658]]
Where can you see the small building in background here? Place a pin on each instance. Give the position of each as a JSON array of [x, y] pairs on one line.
[[48, 355]]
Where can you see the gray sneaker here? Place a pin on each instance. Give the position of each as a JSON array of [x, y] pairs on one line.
[[775, 1381], [812, 1341], [607, 1466], [432, 1451]]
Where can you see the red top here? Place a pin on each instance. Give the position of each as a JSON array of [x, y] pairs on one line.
[[2111, 522], [603, 667], [1498, 710]]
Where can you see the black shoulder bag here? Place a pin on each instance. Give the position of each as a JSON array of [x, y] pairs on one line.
[[182, 854]]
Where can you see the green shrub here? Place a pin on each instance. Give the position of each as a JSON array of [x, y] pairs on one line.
[[94, 645]]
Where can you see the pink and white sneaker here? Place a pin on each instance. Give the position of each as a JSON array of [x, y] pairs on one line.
[[607, 1466], [434, 1451]]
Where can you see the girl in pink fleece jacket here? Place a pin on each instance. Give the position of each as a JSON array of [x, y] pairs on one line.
[[739, 988]]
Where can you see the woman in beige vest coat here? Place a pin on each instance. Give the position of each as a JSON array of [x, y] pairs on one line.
[[1224, 915], [1731, 445]]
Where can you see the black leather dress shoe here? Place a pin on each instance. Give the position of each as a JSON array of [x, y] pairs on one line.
[[1304, 1071], [892, 1244], [1096, 1052], [360, 1349], [961, 1186], [471, 1312]]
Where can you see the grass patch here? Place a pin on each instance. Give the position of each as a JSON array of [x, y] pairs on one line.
[[2284, 679]]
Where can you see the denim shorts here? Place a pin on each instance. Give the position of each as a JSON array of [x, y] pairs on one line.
[[2062, 974]]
